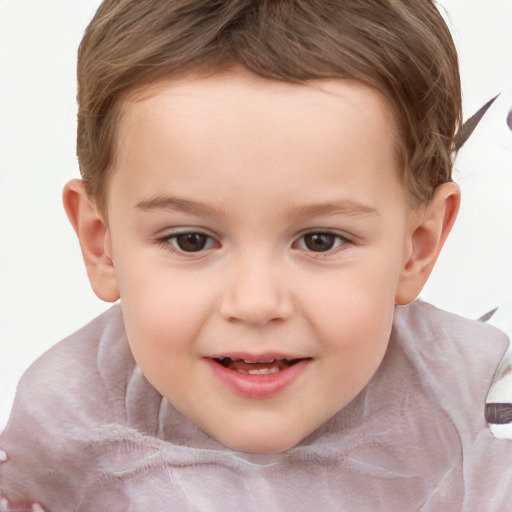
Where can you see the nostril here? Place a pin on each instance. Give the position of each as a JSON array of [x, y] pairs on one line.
[[509, 120]]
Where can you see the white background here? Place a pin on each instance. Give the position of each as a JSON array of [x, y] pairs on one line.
[[44, 293]]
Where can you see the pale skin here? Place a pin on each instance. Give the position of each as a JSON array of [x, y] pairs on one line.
[[301, 239]]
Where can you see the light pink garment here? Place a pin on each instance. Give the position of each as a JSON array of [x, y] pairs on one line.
[[89, 433]]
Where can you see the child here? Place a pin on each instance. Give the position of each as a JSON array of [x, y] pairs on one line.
[[266, 187]]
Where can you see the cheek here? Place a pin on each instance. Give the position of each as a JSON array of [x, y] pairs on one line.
[[354, 344], [162, 315], [352, 319]]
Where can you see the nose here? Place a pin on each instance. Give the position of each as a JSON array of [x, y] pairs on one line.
[[256, 294]]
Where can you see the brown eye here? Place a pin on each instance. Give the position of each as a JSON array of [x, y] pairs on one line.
[[190, 242], [320, 242]]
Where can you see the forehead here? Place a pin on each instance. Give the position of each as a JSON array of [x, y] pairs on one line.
[[238, 121], [240, 89]]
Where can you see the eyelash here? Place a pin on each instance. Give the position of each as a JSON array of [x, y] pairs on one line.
[[169, 242]]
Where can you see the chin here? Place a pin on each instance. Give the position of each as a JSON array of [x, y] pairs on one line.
[[264, 442]]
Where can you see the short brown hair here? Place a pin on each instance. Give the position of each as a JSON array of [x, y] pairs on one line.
[[403, 48]]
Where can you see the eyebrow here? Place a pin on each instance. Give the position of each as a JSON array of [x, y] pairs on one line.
[[177, 204], [344, 207]]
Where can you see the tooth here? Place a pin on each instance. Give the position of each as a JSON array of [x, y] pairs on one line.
[[263, 371]]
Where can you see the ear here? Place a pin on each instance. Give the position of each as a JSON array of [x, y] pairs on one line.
[[430, 226], [94, 237]]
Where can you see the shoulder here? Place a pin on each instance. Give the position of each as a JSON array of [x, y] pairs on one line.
[[84, 342], [451, 358], [69, 391], [68, 377], [450, 349], [451, 362]]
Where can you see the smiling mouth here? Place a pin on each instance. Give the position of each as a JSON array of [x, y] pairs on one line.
[[256, 367]]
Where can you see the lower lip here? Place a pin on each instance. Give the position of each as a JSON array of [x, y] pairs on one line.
[[258, 386]]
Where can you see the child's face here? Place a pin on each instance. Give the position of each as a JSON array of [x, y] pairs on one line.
[[259, 221]]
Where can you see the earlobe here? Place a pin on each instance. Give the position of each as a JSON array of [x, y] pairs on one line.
[[94, 237], [428, 232]]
